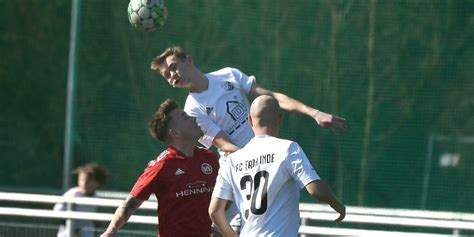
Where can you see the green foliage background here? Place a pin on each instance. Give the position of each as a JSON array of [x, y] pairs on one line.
[[314, 51]]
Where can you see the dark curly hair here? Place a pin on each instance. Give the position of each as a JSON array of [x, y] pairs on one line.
[[96, 171], [158, 125]]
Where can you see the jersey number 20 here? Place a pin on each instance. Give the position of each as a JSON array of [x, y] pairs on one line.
[[257, 192]]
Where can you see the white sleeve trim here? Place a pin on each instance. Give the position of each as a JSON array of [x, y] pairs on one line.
[[247, 86], [208, 137]]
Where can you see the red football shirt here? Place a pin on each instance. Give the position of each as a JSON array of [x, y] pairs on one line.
[[183, 187]]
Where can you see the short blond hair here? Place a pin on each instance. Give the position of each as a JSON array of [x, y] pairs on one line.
[[171, 51]]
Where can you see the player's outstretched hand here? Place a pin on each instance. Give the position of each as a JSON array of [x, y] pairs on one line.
[[342, 212], [326, 120]]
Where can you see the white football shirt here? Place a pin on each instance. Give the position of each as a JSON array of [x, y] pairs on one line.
[[264, 179], [223, 106], [85, 228]]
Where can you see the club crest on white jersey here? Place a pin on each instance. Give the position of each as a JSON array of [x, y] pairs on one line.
[[209, 110], [227, 86]]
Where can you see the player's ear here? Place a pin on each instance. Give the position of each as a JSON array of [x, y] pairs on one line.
[[250, 121], [280, 118], [172, 133]]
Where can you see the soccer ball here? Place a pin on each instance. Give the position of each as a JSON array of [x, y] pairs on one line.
[[147, 15]]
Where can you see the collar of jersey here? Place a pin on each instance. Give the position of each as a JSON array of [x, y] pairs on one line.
[[262, 136], [173, 151]]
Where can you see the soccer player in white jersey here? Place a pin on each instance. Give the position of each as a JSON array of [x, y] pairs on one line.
[[219, 102], [264, 179]]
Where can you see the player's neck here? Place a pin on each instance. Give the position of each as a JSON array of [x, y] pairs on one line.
[[262, 131], [200, 84], [186, 148]]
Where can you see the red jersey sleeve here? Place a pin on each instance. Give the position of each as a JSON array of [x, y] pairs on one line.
[[148, 182]]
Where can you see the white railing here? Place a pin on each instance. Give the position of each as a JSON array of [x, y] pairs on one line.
[[451, 221]]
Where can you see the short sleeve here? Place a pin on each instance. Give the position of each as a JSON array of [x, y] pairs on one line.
[[244, 82], [223, 187], [209, 128], [299, 166], [63, 206], [148, 182]]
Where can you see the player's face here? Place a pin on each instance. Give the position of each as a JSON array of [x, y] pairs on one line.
[[87, 183], [184, 125], [174, 71]]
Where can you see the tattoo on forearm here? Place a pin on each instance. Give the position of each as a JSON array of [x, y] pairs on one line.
[[130, 205]]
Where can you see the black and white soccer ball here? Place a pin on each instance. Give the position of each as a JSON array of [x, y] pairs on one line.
[[147, 15]]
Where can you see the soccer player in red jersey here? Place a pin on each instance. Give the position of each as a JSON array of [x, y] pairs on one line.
[[182, 178]]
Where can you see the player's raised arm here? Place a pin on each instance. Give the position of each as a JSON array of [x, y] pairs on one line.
[[289, 104], [223, 142], [122, 214]]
